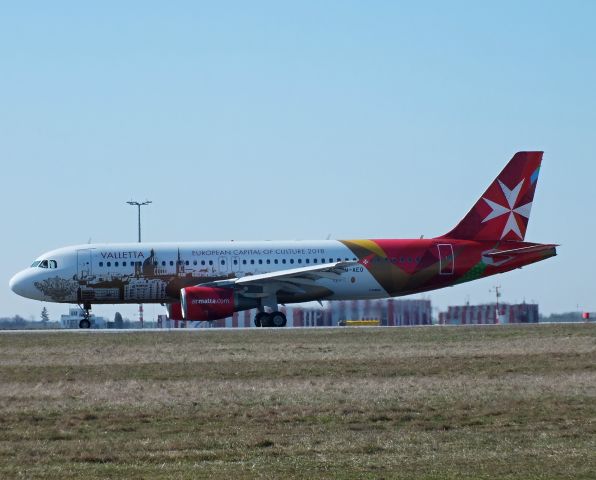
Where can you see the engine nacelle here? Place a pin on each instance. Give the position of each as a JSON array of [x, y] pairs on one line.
[[206, 303], [175, 311]]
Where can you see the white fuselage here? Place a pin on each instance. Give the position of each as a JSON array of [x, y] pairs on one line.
[[155, 272]]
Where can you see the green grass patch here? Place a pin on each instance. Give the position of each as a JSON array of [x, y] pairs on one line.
[[453, 402]]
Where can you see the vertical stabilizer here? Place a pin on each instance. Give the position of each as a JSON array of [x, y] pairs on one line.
[[503, 212]]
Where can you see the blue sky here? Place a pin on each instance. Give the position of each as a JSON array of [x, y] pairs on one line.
[[271, 120]]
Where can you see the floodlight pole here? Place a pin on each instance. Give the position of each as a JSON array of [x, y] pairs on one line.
[[497, 289], [139, 205]]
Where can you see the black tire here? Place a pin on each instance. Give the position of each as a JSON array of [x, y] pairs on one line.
[[261, 319], [278, 319], [85, 323]]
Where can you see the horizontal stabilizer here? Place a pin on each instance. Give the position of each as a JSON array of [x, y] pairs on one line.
[[547, 248]]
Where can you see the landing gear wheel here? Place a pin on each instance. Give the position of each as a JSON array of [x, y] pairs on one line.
[[85, 322], [261, 319], [278, 319]]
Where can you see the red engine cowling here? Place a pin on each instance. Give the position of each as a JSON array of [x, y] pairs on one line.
[[175, 311], [206, 303]]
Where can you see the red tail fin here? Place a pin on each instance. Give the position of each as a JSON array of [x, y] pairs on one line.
[[502, 213]]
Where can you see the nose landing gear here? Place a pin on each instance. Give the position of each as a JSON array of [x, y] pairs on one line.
[[85, 321]]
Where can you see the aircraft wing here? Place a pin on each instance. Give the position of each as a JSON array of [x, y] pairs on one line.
[[300, 282]]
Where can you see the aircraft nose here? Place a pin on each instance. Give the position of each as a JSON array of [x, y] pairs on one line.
[[20, 284]]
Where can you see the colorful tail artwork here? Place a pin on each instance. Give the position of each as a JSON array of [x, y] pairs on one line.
[[503, 212]]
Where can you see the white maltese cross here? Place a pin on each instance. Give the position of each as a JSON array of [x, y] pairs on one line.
[[497, 210]]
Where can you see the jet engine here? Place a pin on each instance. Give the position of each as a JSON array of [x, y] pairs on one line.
[[175, 311], [207, 303]]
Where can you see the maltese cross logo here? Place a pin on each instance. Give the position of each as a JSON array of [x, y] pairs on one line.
[[366, 260], [510, 209]]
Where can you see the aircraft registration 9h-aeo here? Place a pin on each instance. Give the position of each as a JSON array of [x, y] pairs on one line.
[[212, 280]]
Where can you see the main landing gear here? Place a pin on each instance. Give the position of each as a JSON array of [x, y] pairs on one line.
[[85, 322], [273, 319]]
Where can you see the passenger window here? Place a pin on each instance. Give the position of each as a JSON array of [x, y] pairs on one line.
[[124, 264], [194, 262], [171, 263], [314, 260], [187, 262], [252, 262], [299, 260], [268, 261], [223, 262], [109, 264], [307, 260], [291, 260], [243, 262], [275, 261], [210, 262], [283, 261], [235, 262], [101, 264], [115, 264], [202, 262], [260, 262]]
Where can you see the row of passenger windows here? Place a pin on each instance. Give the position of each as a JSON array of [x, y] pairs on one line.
[[398, 260], [260, 261], [268, 261], [117, 264]]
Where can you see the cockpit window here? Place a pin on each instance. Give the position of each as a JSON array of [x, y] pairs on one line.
[[45, 264]]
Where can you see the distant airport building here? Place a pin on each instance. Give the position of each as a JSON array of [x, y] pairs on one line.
[[386, 312], [75, 315], [486, 314]]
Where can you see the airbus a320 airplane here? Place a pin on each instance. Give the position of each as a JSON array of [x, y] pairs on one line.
[[212, 280]]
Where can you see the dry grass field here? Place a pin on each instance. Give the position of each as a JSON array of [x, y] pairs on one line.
[[438, 402]]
